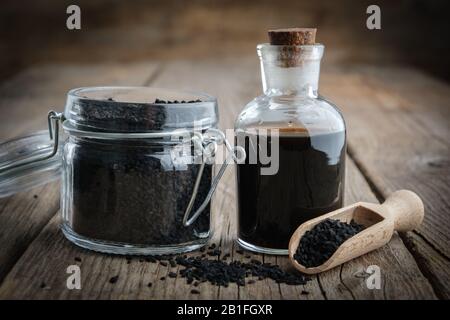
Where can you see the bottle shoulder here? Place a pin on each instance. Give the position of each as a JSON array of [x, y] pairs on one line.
[[315, 114]]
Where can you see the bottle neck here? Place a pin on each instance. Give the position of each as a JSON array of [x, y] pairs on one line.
[[290, 70]]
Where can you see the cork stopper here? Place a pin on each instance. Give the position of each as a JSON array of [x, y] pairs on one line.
[[292, 36], [289, 39]]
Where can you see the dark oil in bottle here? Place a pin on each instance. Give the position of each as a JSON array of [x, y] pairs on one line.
[[309, 182]]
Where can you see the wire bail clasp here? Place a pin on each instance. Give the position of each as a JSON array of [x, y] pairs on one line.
[[208, 143], [53, 119]]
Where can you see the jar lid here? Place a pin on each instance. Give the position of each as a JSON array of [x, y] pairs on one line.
[[33, 173], [139, 109]]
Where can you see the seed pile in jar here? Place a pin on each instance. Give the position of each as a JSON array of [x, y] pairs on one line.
[[120, 189], [176, 101], [318, 244]]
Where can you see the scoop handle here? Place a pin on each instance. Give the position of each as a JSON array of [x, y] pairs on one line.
[[406, 208]]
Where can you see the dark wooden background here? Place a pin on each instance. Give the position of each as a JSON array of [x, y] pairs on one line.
[[33, 32]]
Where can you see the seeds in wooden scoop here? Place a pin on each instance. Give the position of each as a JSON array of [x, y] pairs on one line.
[[318, 244]]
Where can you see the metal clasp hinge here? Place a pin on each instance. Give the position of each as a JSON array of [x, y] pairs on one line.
[[53, 119], [208, 143]]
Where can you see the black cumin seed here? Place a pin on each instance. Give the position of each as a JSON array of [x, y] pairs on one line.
[[318, 244], [78, 259], [114, 279], [194, 291], [172, 274]]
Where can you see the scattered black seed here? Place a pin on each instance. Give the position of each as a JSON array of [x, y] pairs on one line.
[[212, 246], [35, 196], [111, 99], [221, 273], [304, 292], [203, 249], [199, 269], [78, 259], [240, 251], [215, 252], [149, 284], [318, 244], [248, 256], [43, 285], [226, 256], [194, 291], [114, 279]]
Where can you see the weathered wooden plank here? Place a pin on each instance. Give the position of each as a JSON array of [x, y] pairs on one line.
[[49, 255], [398, 142], [22, 217], [24, 103], [433, 265], [47, 258]]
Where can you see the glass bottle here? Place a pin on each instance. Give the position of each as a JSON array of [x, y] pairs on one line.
[[304, 137]]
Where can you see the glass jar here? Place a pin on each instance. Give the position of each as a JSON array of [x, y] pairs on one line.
[[135, 162], [306, 137]]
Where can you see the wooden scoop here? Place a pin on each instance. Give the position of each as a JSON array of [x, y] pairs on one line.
[[402, 211]]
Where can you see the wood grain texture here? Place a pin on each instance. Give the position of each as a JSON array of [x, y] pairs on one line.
[[24, 103], [41, 271], [398, 142], [22, 217], [433, 265]]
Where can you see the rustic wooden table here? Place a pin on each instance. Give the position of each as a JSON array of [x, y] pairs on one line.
[[398, 128]]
